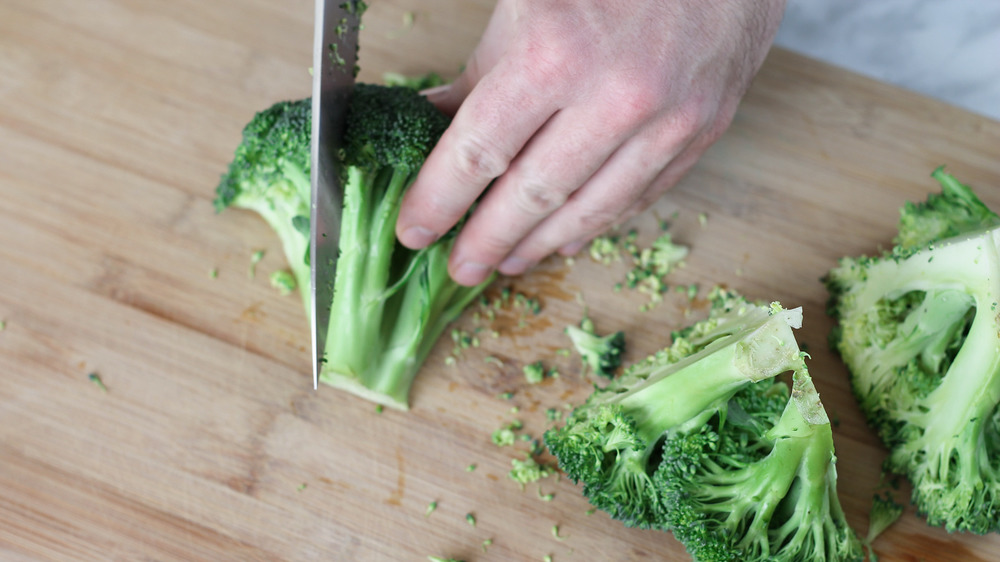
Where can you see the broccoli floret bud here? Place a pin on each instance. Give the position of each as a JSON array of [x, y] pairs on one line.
[[700, 439], [269, 174], [390, 303], [917, 327], [601, 354]]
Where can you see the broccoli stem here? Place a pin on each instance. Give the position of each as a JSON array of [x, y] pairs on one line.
[[365, 266], [398, 301], [761, 350]]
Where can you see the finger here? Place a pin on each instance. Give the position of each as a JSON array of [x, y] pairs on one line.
[[494, 123], [488, 52], [561, 157], [627, 184]]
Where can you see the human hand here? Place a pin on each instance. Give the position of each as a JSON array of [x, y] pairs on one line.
[[582, 113]]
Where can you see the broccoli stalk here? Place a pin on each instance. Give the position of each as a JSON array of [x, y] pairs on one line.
[[917, 328], [390, 303], [700, 439]]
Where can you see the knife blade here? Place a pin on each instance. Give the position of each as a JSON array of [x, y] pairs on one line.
[[335, 48]]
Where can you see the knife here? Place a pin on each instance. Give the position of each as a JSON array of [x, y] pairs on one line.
[[335, 53]]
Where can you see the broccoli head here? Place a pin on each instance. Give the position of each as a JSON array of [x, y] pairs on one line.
[[390, 303], [270, 174], [702, 440], [917, 328]]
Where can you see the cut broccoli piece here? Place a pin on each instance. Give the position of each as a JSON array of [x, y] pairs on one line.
[[917, 327], [700, 439], [885, 511], [601, 354], [390, 303]]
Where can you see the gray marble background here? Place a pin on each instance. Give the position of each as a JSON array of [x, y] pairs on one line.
[[947, 49]]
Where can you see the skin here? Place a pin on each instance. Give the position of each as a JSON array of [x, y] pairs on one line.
[[579, 114]]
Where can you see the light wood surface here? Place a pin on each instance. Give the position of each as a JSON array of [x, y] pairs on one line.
[[117, 118]]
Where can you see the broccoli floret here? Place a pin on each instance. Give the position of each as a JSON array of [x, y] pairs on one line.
[[701, 440], [390, 303], [917, 327], [601, 354]]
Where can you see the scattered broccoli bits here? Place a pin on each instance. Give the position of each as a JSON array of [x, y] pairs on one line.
[[649, 265], [917, 329], [700, 439]]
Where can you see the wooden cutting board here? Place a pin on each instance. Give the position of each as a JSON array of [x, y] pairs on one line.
[[117, 118]]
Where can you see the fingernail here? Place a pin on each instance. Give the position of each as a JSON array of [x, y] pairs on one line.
[[572, 248], [471, 273], [515, 266], [436, 93], [417, 237]]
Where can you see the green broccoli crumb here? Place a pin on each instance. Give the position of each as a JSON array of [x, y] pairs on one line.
[[283, 281], [430, 508], [471, 467], [255, 258], [486, 544], [470, 519], [96, 379], [505, 436], [534, 373], [528, 470], [493, 360]]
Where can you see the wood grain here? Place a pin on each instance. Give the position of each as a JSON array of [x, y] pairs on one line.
[[117, 118]]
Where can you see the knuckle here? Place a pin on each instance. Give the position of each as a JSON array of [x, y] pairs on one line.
[[692, 118], [538, 199], [637, 104], [596, 219], [478, 161]]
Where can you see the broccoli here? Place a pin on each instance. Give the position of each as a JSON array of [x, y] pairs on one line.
[[917, 328], [600, 354], [702, 440], [390, 303], [884, 512]]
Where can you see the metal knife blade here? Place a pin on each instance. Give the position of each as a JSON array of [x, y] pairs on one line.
[[335, 47]]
